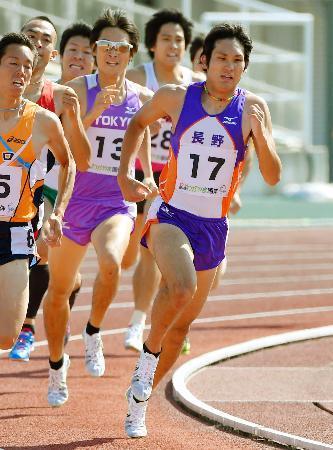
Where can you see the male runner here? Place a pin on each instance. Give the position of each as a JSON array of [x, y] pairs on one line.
[[167, 35], [53, 97], [97, 211], [25, 128], [187, 226]]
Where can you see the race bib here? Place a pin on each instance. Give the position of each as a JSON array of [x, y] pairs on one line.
[[205, 171], [106, 151], [160, 144], [10, 189]]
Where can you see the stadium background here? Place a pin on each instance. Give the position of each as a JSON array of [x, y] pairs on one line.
[[291, 67]]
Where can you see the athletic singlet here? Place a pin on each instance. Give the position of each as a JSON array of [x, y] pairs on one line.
[[46, 100], [21, 174], [206, 157], [160, 142], [106, 135]]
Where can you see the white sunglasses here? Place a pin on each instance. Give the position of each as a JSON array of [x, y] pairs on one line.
[[119, 46]]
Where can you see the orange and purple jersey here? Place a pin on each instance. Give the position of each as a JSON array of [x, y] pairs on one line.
[[21, 173], [206, 157]]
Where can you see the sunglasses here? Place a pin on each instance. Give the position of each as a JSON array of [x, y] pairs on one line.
[[119, 46]]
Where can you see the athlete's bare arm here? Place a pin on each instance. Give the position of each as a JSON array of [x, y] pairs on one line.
[[68, 109], [257, 124], [167, 101], [137, 74], [48, 131]]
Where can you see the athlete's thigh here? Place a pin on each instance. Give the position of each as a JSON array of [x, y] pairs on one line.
[[111, 237], [172, 252], [205, 280], [42, 247], [134, 243], [64, 263], [14, 295]]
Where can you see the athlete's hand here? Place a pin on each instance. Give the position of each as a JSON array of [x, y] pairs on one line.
[[257, 120], [70, 102], [133, 190], [236, 203], [52, 231], [150, 182], [105, 98]]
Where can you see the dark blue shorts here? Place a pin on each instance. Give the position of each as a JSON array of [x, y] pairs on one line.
[[208, 237]]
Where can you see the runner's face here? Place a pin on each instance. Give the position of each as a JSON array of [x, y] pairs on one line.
[[226, 65], [109, 60], [77, 59], [16, 69], [44, 37], [169, 47]]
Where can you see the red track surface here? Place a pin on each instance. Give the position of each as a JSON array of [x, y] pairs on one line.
[[294, 267]]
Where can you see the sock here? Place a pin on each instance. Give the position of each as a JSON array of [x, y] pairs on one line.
[[146, 350], [28, 327], [90, 329], [56, 365], [38, 283], [138, 317], [73, 296]]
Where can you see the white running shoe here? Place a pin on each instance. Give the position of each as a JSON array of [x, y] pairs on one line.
[[135, 426], [143, 376], [94, 358], [57, 393], [134, 337]]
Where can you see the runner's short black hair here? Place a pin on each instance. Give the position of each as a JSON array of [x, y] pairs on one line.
[[227, 31], [161, 17], [195, 45], [18, 39], [116, 18], [76, 29]]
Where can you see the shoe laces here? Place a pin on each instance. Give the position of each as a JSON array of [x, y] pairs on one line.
[[145, 368], [23, 341], [94, 347], [57, 381]]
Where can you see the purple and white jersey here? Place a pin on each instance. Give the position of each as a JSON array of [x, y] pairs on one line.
[[106, 135]]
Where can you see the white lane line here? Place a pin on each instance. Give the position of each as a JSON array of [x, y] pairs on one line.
[[271, 294], [285, 257], [187, 370], [230, 318], [300, 248], [242, 281]]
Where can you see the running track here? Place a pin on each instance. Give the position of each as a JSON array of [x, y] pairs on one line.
[[278, 280]]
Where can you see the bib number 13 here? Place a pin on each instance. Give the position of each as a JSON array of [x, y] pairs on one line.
[[114, 155], [215, 170]]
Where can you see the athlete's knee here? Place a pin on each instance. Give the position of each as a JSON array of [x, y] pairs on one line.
[[181, 293], [7, 342], [109, 266], [58, 294]]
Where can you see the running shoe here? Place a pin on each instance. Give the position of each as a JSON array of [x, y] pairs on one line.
[[135, 426], [23, 347], [94, 358], [57, 393], [133, 337], [186, 349], [143, 376]]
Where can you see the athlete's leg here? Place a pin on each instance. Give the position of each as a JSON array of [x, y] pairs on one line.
[[39, 274], [110, 240], [14, 296], [132, 251], [176, 265], [173, 340], [221, 270], [64, 262]]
